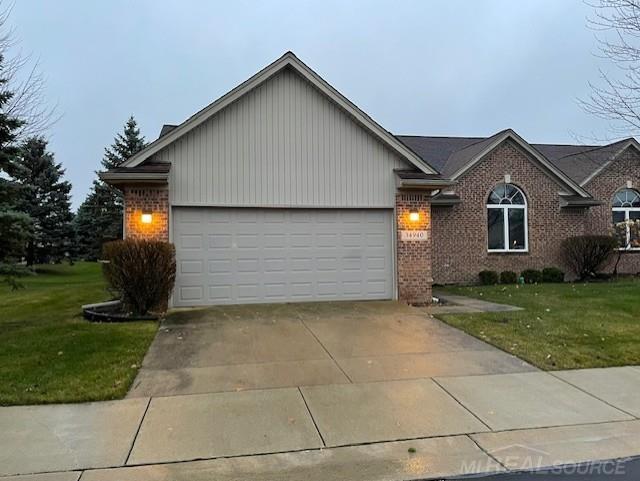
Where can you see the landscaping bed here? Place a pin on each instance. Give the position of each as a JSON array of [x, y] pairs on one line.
[[562, 326], [51, 354], [113, 311]]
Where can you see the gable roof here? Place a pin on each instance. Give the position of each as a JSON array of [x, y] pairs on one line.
[[436, 150], [573, 165], [587, 164], [465, 158], [288, 60], [580, 163]]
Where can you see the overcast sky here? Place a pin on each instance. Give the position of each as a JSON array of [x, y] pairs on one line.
[[446, 67]]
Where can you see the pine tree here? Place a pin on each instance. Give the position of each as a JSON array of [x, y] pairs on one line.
[[14, 225], [45, 197], [99, 218], [95, 224], [126, 145]]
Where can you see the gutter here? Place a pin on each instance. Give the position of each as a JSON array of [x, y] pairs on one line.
[[115, 178], [427, 184], [579, 202], [445, 200]]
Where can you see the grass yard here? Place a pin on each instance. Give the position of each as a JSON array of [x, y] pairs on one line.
[[563, 326], [49, 353]]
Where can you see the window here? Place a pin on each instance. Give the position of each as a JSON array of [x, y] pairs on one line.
[[626, 216], [507, 219]]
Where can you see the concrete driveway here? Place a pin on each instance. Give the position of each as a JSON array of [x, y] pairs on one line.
[[237, 348], [351, 391]]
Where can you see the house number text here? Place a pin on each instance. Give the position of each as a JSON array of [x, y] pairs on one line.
[[413, 235]]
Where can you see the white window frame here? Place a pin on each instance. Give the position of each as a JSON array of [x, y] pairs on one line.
[[505, 224], [626, 211]]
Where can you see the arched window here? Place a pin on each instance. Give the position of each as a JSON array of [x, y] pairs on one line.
[[507, 219], [626, 216]]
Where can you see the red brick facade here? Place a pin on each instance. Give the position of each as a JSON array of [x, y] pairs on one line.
[[614, 177], [460, 231], [139, 199], [413, 256]]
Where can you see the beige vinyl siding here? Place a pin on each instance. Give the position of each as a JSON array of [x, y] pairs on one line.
[[283, 144]]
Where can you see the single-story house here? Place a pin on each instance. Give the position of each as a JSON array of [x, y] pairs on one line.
[[283, 190]]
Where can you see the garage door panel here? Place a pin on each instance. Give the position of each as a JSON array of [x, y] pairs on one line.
[[220, 265], [193, 216], [276, 240], [220, 241], [228, 256], [191, 293], [191, 267], [377, 263], [274, 265], [300, 239], [351, 263], [190, 241], [301, 264], [273, 290], [377, 287], [324, 239]]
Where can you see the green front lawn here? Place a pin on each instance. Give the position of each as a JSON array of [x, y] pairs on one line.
[[563, 326], [49, 353]]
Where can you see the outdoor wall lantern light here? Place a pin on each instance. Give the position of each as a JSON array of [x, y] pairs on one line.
[[146, 217], [414, 216]]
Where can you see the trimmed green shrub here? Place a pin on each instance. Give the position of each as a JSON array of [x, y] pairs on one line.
[[488, 278], [552, 274], [508, 277], [586, 254], [143, 273], [531, 276]]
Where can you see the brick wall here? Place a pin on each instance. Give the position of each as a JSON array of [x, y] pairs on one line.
[[139, 199], [413, 257], [460, 231], [603, 187]]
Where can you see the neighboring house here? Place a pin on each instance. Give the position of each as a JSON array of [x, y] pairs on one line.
[[283, 190]]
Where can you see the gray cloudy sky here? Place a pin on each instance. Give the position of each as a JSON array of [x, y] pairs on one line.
[[417, 67]]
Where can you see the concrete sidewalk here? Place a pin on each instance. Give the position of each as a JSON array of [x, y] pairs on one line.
[[452, 303], [403, 429]]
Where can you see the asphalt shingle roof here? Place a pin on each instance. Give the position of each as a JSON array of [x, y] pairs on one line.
[[450, 154]]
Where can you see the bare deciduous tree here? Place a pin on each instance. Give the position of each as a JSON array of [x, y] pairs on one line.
[[617, 97], [26, 82]]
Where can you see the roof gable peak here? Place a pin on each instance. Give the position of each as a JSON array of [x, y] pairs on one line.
[[461, 161], [627, 143], [288, 59]]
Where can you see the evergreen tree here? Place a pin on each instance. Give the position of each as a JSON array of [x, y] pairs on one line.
[[94, 223], [14, 225], [126, 145], [99, 218], [44, 196]]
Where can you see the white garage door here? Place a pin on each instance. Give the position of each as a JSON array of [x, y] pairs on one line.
[[237, 256]]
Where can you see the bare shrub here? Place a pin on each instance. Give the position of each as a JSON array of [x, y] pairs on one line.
[[142, 271], [587, 254]]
